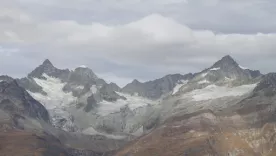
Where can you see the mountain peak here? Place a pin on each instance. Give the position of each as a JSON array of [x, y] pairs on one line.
[[47, 62], [227, 57], [225, 62], [135, 81], [48, 68]]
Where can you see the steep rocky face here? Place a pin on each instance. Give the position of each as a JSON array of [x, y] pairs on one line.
[[16, 100], [82, 76], [260, 106], [155, 89], [48, 68], [228, 69], [29, 84], [107, 92], [267, 84], [225, 72]]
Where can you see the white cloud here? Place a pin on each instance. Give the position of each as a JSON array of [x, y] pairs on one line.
[[154, 43]]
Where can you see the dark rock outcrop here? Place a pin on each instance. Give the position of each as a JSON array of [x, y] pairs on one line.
[[17, 100]]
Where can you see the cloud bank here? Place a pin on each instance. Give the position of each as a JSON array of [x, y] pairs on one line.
[[151, 38]]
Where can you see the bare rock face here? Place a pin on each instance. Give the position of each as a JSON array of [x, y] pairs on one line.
[[267, 85], [17, 100], [155, 89], [48, 68]]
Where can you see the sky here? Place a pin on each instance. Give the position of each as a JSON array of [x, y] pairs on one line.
[[122, 40]]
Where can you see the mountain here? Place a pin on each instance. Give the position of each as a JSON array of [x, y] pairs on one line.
[[227, 67], [20, 114], [225, 109], [47, 68], [225, 72], [77, 100], [155, 89], [25, 127]]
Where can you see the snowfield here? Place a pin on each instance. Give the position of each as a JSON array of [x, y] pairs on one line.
[[214, 69], [203, 74], [214, 92], [133, 102], [55, 97], [178, 86], [203, 82], [92, 131], [56, 100]]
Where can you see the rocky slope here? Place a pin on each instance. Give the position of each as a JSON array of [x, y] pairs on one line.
[[25, 127], [157, 88], [246, 127]]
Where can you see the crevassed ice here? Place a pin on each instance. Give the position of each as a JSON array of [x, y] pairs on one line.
[[55, 97], [56, 100]]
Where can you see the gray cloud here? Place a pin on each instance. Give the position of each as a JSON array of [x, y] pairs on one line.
[[122, 40]]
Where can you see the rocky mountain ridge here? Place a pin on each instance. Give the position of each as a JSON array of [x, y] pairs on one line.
[[225, 109]]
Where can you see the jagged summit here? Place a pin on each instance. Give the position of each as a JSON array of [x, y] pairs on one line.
[[82, 76], [48, 68], [47, 62], [135, 81], [226, 62], [227, 69]]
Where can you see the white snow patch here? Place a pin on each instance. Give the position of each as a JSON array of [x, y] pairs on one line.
[[80, 87], [214, 92], [203, 81], [55, 98], [242, 67], [178, 86], [214, 69], [133, 102], [1, 80], [83, 66], [203, 74], [94, 89], [92, 131], [229, 79]]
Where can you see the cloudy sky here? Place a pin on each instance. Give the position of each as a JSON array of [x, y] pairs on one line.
[[143, 39]]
